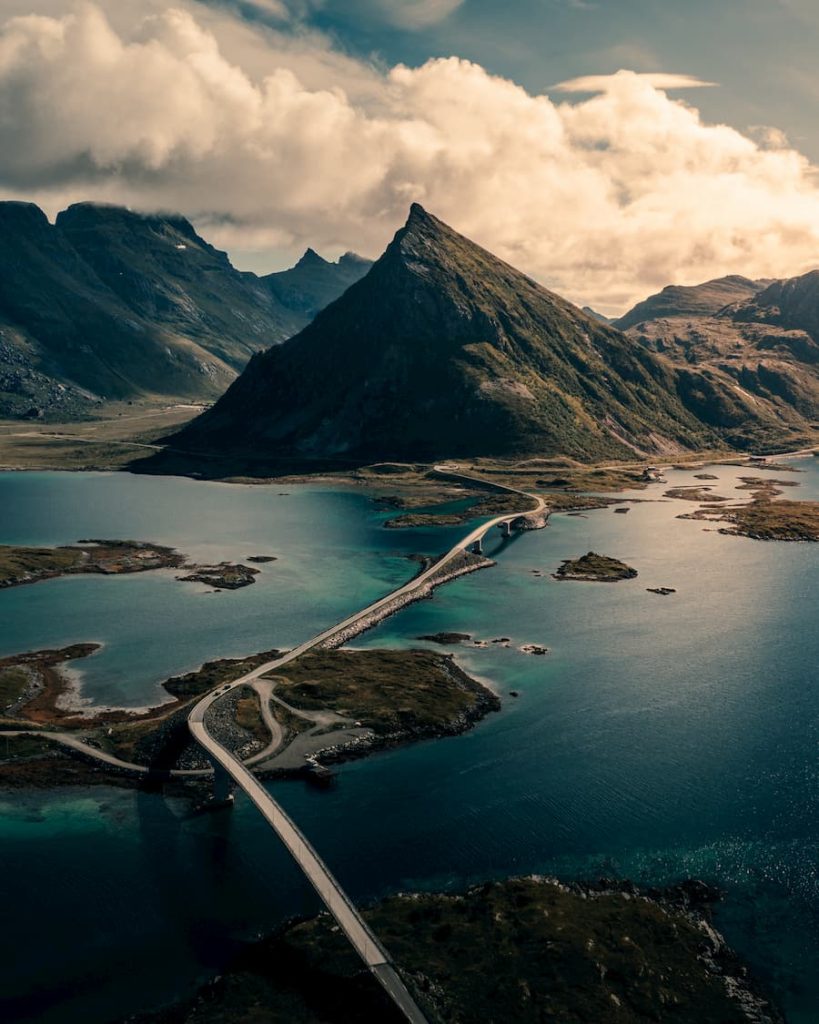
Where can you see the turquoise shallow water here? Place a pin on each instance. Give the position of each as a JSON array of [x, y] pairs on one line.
[[661, 737]]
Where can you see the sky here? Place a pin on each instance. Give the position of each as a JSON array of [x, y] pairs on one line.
[[605, 147]]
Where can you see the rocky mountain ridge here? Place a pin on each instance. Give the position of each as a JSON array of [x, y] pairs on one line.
[[110, 304], [443, 349]]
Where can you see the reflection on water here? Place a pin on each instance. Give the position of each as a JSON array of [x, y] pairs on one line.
[[661, 737]]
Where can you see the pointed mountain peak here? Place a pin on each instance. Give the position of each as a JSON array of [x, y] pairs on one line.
[[420, 221], [311, 259]]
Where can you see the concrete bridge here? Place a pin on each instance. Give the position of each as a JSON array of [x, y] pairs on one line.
[[229, 769]]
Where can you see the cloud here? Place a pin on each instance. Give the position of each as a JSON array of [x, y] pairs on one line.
[[271, 140], [415, 14], [657, 80]]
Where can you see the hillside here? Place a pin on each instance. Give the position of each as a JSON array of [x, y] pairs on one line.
[[760, 354], [315, 282], [111, 304], [699, 300], [444, 350]]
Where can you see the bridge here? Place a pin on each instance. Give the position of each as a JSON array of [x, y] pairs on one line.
[[228, 768]]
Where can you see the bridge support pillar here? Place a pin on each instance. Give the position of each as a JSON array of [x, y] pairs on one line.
[[477, 547], [506, 528], [223, 785]]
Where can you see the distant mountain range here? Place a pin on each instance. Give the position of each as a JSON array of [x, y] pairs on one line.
[[106, 303], [695, 301], [441, 350], [747, 353]]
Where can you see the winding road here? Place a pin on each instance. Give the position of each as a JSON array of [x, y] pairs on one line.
[[332, 895]]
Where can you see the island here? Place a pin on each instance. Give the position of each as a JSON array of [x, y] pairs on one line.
[[595, 568], [698, 494], [329, 704], [224, 576], [446, 638], [22, 565], [762, 519], [526, 950]]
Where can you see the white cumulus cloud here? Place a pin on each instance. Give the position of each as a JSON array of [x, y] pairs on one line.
[[285, 143]]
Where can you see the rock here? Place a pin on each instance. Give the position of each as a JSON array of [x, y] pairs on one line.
[[662, 591], [533, 649], [445, 638], [223, 576], [595, 568], [514, 693], [261, 559], [622, 511]]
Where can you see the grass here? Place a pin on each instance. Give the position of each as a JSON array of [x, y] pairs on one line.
[[23, 748], [13, 684], [110, 442], [18, 563], [387, 691], [248, 715], [526, 951], [212, 673], [596, 567], [776, 520]]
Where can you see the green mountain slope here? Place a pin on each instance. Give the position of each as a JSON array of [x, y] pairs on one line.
[[695, 300], [751, 368], [444, 350], [110, 304]]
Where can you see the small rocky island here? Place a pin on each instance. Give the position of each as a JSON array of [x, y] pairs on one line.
[[526, 950], [595, 568], [224, 576]]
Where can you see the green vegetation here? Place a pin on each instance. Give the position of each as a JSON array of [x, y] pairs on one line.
[[408, 692], [248, 714], [212, 673], [775, 520], [486, 505], [23, 748], [471, 358], [14, 681], [20, 565], [594, 567], [526, 951], [698, 494]]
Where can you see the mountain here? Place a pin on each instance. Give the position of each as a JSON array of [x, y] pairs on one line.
[[110, 304], [167, 275], [759, 354], [596, 316], [315, 282], [444, 350], [792, 304], [697, 300]]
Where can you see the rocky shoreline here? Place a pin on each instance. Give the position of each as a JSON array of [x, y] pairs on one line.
[[594, 568], [464, 564], [526, 949]]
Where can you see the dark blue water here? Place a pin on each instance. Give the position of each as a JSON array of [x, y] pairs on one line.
[[660, 738]]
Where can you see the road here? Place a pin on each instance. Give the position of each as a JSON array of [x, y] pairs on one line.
[[333, 896]]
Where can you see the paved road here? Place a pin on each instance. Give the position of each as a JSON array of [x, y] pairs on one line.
[[335, 899]]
